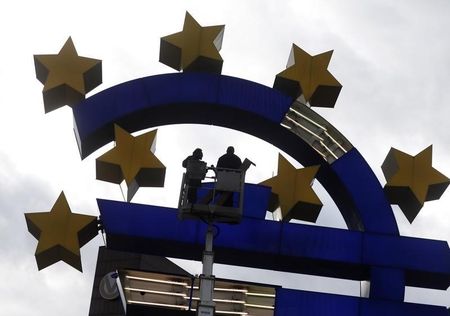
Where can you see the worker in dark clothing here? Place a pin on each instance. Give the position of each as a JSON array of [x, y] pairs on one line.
[[196, 155], [228, 161], [194, 173]]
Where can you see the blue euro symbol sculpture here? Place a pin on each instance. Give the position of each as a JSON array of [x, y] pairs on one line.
[[371, 249]]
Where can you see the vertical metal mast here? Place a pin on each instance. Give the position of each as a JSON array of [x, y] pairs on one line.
[[206, 307]]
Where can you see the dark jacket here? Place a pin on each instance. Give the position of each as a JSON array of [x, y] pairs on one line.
[[230, 161]]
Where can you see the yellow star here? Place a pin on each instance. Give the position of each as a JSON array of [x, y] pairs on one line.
[[66, 76], [196, 48], [292, 192], [308, 76], [132, 160], [411, 180], [60, 234]]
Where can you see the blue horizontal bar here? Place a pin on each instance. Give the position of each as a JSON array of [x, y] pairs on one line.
[[294, 302], [277, 245]]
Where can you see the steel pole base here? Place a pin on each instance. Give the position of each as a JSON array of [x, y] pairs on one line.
[[206, 306], [206, 310]]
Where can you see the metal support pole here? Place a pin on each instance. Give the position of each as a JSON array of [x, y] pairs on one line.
[[206, 306]]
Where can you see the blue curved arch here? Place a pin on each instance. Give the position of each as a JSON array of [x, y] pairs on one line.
[[237, 104]]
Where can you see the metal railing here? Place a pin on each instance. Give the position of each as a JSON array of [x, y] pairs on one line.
[[219, 200], [316, 131]]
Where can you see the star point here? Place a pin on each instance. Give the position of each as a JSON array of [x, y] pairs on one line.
[[411, 180], [60, 234], [66, 77], [308, 76], [132, 160], [292, 192], [195, 48]]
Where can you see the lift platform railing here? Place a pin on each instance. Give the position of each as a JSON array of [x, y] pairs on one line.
[[220, 200]]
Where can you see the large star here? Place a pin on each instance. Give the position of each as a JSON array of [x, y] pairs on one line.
[[196, 48], [411, 180], [60, 234], [308, 76], [66, 76], [292, 192], [132, 160]]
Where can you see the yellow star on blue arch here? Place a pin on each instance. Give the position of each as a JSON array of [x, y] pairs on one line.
[[411, 180], [66, 77], [195, 48], [60, 234], [292, 192], [308, 76], [132, 160]]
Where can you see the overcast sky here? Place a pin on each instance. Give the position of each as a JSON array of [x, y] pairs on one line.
[[392, 58]]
